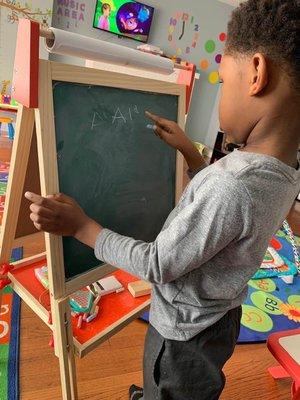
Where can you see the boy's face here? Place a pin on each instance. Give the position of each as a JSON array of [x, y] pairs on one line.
[[235, 102]]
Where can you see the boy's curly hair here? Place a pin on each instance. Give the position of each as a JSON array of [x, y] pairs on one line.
[[271, 27]]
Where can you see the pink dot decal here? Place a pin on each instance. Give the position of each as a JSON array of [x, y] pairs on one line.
[[218, 58], [222, 37]]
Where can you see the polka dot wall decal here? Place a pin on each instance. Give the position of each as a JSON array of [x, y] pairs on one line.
[[204, 64], [213, 77], [222, 37], [218, 58], [210, 46]]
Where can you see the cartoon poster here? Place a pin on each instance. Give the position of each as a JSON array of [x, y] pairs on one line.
[[124, 18]]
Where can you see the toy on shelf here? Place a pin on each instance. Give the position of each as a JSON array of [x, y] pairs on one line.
[[5, 97], [41, 274], [139, 288], [9, 122], [81, 301], [6, 101], [106, 286]]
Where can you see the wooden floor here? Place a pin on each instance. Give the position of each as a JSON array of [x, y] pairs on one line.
[[294, 218], [106, 373]]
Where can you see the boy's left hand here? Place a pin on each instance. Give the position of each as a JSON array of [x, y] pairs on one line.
[[61, 215]]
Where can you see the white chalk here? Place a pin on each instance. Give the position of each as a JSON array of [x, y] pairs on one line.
[[91, 318], [79, 323], [153, 127], [85, 316]]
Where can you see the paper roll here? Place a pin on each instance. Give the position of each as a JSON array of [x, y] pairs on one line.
[[72, 44]]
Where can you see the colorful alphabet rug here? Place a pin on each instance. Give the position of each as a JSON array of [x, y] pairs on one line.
[[272, 305], [9, 345], [9, 318]]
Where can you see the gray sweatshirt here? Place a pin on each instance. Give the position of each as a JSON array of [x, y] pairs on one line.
[[211, 244]]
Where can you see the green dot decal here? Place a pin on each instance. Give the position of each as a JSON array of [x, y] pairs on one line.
[[294, 300], [210, 46], [266, 285], [267, 302], [256, 319]]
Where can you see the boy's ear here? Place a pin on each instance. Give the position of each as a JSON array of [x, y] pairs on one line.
[[258, 74]]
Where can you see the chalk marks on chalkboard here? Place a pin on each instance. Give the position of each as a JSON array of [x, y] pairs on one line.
[[119, 114], [135, 110], [55, 84], [60, 145], [59, 148]]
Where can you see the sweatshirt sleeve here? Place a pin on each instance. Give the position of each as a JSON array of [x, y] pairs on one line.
[[191, 174], [220, 213]]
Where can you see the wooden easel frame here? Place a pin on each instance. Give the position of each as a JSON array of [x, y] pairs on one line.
[[42, 118]]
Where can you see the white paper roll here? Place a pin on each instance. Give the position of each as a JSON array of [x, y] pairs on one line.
[[72, 44]]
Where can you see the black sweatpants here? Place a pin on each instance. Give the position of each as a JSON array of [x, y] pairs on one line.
[[191, 370]]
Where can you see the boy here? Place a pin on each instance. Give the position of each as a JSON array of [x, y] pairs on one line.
[[215, 239]]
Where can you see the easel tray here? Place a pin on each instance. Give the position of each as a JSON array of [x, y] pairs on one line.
[[116, 309]]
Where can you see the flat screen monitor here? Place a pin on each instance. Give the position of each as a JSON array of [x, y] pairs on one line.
[[124, 18]]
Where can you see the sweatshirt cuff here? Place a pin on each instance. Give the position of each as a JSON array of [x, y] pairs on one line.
[[191, 174]]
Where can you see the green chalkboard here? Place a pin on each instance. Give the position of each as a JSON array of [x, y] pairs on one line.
[[120, 173]]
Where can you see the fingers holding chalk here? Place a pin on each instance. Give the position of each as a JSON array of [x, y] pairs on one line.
[[157, 130], [150, 126], [155, 118], [162, 126], [160, 123]]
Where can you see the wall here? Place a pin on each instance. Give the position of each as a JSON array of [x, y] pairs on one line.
[[10, 12], [205, 18]]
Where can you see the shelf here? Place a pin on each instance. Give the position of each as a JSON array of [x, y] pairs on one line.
[[116, 309], [9, 107]]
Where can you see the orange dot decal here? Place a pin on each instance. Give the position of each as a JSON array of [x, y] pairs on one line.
[[204, 64]]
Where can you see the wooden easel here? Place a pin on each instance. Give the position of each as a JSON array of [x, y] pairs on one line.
[[36, 116]]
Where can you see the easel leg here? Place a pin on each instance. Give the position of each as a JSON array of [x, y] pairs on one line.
[[63, 341], [16, 179]]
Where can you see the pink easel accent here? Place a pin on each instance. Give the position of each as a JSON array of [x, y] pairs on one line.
[[187, 77], [288, 366], [26, 67]]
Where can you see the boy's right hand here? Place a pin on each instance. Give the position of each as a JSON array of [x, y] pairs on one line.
[[170, 132], [174, 136]]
